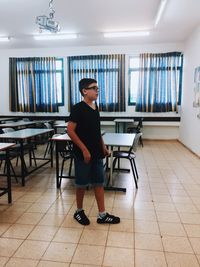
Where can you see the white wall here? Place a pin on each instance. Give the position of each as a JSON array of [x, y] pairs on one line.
[[69, 51], [190, 124]]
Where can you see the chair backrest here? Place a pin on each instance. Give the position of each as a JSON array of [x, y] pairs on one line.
[[135, 143], [7, 130], [47, 125]]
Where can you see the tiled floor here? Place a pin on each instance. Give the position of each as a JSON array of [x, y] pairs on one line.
[[160, 223]]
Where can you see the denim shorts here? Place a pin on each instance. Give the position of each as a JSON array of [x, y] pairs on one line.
[[91, 173]]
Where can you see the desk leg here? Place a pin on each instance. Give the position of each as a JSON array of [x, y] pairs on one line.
[[8, 177], [22, 163], [57, 167], [111, 187]]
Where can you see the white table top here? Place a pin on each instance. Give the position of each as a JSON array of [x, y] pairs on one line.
[[17, 124], [124, 120], [25, 133], [118, 139], [4, 146], [61, 125], [62, 137]]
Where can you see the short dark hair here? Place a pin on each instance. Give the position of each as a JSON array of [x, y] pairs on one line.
[[84, 83]]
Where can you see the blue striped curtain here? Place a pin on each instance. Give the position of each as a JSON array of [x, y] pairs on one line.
[[160, 82], [33, 84], [108, 70]]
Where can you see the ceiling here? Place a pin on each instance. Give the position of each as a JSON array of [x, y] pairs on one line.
[[90, 18]]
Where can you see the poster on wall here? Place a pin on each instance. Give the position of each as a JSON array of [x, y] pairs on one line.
[[196, 102]]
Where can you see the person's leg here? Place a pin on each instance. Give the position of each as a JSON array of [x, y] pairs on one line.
[[99, 195], [80, 192]]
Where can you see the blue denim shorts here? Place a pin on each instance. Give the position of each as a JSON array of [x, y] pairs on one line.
[[91, 173]]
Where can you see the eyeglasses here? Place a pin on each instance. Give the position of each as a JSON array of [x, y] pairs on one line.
[[95, 88]]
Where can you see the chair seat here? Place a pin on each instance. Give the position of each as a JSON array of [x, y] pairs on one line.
[[123, 154]]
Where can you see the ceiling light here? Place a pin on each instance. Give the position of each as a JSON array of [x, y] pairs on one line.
[[160, 11], [125, 34], [55, 36], [4, 39]]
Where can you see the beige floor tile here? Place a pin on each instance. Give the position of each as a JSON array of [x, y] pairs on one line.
[[173, 229], [14, 262], [60, 208], [146, 227], [52, 264], [19, 206], [68, 235], [18, 231], [93, 237], [188, 208], [30, 218], [9, 246], [123, 213], [124, 226], [43, 233], [52, 219], [61, 252], [4, 227], [31, 249], [164, 207], [120, 239], [176, 244], [96, 226], [146, 258], [118, 257], [89, 254], [83, 265], [38, 207], [3, 261], [190, 218], [195, 244], [148, 241], [168, 217], [145, 215], [10, 216], [193, 230], [182, 260], [69, 221]]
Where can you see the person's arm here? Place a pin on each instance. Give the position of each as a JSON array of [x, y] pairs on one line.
[[75, 139], [105, 150]]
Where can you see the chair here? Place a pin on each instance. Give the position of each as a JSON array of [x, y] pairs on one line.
[[136, 129], [65, 150], [50, 143], [130, 155], [16, 148], [3, 158]]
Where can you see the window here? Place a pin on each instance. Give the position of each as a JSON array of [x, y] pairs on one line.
[[36, 84], [133, 79], [60, 80], [108, 71]]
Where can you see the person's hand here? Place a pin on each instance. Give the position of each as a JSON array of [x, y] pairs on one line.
[[106, 151], [86, 156]]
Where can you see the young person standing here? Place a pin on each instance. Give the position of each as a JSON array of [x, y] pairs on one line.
[[89, 151]]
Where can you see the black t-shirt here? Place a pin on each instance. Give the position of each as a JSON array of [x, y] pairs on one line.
[[88, 130]]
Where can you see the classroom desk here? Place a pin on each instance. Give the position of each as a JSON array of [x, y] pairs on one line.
[[6, 190], [25, 135], [60, 126], [116, 140], [110, 139], [7, 119], [18, 124], [123, 122]]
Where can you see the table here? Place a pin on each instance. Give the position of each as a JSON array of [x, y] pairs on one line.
[[110, 139], [123, 121], [117, 140], [21, 136], [7, 190], [60, 126], [7, 119], [18, 124]]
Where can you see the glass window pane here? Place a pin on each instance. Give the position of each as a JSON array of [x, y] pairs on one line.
[[59, 86], [134, 62], [134, 80]]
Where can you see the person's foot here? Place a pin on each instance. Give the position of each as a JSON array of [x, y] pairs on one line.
[[81, 217], [108, 218]]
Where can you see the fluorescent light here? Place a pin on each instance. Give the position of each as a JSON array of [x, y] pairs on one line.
[[125, 34], [55, 36], [160, 11], [4, 39]]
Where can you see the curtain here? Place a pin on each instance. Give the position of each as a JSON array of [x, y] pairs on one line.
[[160, 81], [108, 70], [33, 84]]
